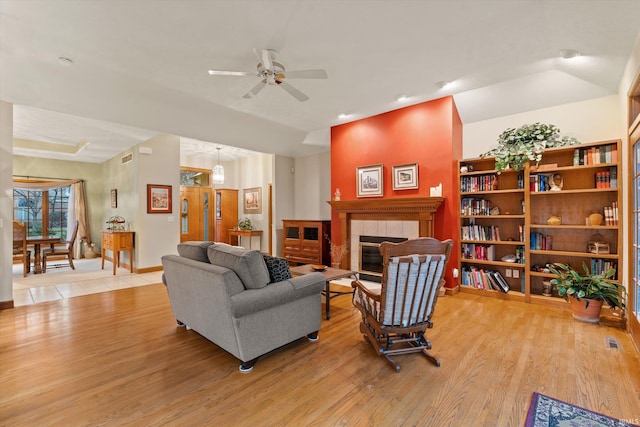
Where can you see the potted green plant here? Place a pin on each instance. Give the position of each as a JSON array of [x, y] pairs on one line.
[[527, 143], [587, 292], [245, 224]]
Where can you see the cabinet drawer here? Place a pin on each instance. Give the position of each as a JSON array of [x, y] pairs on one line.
[[291, 247]]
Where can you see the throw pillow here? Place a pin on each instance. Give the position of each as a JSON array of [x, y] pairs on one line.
[[194, 250], [278, 268], [247, 264]]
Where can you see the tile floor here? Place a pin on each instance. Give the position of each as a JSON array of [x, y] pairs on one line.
[[87, 278]]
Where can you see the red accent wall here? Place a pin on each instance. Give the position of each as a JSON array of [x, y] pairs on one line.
[[429, 134]]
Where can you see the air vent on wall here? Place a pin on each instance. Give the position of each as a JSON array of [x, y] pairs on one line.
[[127, 158]]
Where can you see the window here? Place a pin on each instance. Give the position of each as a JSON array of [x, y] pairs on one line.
[[44, 212]]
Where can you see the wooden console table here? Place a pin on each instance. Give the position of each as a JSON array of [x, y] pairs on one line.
[[246, 233], [116, 241]]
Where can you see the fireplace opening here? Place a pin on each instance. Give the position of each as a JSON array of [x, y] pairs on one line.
[[369, 258]]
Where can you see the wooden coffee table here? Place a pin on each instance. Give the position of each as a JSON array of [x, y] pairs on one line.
[[329, 274]]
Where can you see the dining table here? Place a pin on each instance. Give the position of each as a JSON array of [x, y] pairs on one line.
[[37, 241]]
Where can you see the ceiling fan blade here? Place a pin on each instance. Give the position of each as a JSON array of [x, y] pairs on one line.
[[257, 88], [306, 74], [213, 72], [265, 56], [292, 91]]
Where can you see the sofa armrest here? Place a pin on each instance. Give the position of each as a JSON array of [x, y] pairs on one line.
[[275, 294]]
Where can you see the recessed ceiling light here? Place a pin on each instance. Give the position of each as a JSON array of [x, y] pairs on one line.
[[401, 98], [62, 60], [569, 53], [442, 84], [343, 115]]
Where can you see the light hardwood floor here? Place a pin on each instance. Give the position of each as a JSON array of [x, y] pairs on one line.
[[118, 358]]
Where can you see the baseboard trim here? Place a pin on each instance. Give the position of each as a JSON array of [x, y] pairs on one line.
[[148, 269], [5, 305]]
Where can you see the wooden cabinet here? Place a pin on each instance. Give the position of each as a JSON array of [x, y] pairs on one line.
[[196, 219], [306, 242], [226, 214], [538, 216], [117, 241]]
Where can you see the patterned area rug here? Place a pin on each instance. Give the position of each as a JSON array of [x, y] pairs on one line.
[[545, 411]]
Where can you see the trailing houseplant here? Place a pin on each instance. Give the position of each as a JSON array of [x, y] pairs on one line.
[[527, 143], [588, 288]]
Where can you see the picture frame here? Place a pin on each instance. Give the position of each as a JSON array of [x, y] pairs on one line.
[[369, 181], [159, 198], [114, 198], [252, 200], [405, 177]]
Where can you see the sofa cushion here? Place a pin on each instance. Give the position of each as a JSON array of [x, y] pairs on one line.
[[194, 250], [249, 265], [278, 268]]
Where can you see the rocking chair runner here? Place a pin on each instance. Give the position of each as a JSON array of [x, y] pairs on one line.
[[395, 319]]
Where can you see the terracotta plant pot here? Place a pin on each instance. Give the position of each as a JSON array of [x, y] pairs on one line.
[[589, 314]]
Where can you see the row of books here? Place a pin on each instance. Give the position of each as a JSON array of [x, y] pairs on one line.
[[480, 232], [480, 252], [600, 266], [540, 182], [484, 279], [607, 179], [611, 214], [540, 242], [595, 155], [473, 206], [471, 184]]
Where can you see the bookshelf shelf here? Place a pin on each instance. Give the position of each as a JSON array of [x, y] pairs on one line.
[[590, 180]]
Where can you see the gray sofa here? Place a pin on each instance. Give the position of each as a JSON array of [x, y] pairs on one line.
[[228, 295]]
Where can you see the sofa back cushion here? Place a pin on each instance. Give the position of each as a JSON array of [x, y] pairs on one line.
[[278, 268], [249, 265], [196, 251]]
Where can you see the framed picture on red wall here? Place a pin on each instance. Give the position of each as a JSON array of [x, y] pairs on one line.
[[369, 181], [405, 176]]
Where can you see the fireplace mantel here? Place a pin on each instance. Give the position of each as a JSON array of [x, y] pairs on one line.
[[419, 209]]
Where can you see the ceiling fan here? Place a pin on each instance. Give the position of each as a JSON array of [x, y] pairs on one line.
[[273, 73]]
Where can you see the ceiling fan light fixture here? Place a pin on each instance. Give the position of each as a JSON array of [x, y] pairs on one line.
[[218, 171], [569, 53]]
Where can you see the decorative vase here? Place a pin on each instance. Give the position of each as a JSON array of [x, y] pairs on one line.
[[335, 264], [546, 288], [595, 218], [554, 220], [590, 314]]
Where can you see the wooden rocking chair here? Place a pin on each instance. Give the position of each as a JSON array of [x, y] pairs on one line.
[[395, 318]]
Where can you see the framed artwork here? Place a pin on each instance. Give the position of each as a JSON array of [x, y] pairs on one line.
[[114, 198], [252, 200], [405, 176], [369, 181], [158, 198]]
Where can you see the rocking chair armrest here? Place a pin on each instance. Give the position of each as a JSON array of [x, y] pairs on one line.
[[373, 294]]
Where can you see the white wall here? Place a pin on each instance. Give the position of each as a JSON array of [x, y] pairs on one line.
[[284, 196], [157, 234], [312, 186], [589, 121], [6, 201]]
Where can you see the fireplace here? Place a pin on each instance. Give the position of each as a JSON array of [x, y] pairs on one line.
[[369, 258]]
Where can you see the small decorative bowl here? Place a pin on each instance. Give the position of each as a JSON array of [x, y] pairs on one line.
[[318, 267]]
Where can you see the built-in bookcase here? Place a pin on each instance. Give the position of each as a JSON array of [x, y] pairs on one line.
[[516, 223]]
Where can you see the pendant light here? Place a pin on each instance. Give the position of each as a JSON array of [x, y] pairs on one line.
[[218, 171]]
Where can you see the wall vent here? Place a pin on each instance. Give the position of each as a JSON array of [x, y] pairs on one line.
[[127, 158], [612, 343]]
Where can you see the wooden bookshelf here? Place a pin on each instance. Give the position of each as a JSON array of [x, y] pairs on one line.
[[591, 180]]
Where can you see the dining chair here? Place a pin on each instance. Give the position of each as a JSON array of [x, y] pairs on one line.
[[61, 251], [395, 317], [20, 249]]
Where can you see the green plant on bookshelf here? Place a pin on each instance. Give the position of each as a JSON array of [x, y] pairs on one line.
[[588, 288], [527, 143]]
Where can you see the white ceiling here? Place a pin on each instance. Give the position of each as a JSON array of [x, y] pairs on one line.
[[140, 67]]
